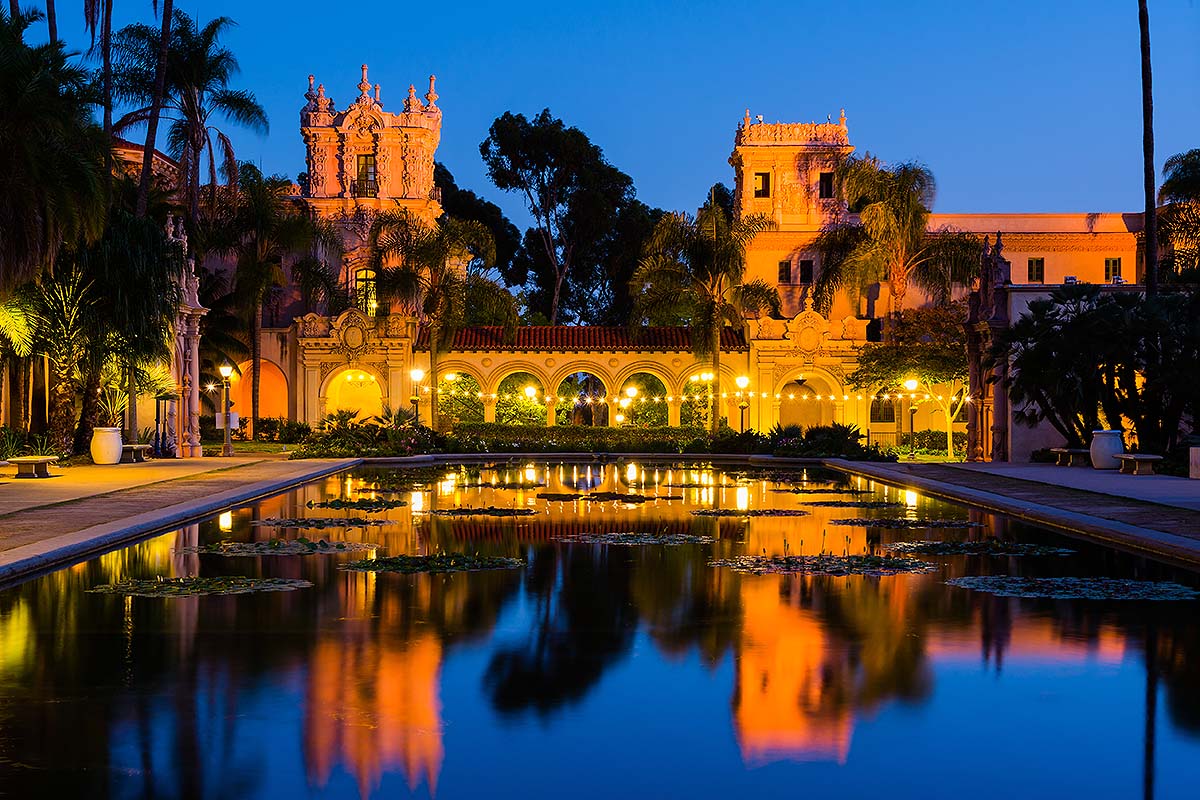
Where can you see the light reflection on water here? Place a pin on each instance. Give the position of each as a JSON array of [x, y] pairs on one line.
[[539, 681]]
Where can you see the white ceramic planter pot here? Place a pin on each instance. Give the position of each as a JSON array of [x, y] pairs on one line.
[[106, 445], [1106, 445]]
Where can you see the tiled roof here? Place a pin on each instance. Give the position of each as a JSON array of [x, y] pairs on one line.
[[575, 338]]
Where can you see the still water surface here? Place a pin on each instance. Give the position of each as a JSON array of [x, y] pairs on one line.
[[596, 671]]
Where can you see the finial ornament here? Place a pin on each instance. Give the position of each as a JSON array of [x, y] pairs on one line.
[[364, 85], [746, 119], [377, 94], [311, 94], [431, 96], [842, 118]]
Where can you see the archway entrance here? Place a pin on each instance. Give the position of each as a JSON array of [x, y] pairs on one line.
[[520, 400], [460, 398], [581, 399], [354, 390], [644, 397], [272, 391], [805, 403]]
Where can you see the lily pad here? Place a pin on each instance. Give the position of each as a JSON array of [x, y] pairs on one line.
[[503, 485], [904, 522], [984, 547], [823, 490], [197, 587], [278, 547], [750, 512], [362, 504], [853, 504], [1075, 588], [634, 539], [604, 497], [824, 564], [488, 511], [321, 522], [438, 562]]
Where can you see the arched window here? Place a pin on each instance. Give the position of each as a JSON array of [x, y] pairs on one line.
[[364, 291]]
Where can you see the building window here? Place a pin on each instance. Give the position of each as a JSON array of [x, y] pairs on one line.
[[365, 184], [825, 186], [883, 410], [1037, 270], [785, 272], [365, 296], [1112, 269], [806, 270], [762, 184]]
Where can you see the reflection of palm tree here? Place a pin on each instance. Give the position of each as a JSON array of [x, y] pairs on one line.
[[585, 623]]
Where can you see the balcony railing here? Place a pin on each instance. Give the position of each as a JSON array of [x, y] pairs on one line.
[[364, 187]]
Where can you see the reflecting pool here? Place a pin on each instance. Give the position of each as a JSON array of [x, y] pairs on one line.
[[598, 670]]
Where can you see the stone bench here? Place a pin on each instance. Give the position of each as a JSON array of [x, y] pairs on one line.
[[1072, 456], [134, 453], [33, 466], [1136, 464]]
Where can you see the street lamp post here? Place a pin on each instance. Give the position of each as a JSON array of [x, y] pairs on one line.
[[911, 385], [226, 370], [742, 382], [417, 376]]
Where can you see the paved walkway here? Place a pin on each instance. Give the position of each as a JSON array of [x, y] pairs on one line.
[[1151, 515], [87, 509]]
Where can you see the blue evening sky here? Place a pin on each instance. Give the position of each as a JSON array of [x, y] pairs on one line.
[[1016, 105]]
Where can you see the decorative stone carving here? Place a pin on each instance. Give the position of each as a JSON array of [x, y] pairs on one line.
[[855, 329], [550, 362], [352, 333], [395, 326], [769, 328], [314, 325], [792, 132], [807, 332]]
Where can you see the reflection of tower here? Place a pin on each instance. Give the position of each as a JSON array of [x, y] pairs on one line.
[[783, 706], [372, 703]]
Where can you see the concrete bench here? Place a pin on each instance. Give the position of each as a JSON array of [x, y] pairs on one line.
[[1072, 456], [1135, 464], [134, 453], [33, 466]]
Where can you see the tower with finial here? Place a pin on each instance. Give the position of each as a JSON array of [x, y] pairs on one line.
[[366, 157]]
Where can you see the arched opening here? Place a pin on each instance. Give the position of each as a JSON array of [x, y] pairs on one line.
[[644, 400], [460, 398], [805, 402], [581, 399], [520, 400], [354, 390], [696, 400], [272, 390], [366, 296]]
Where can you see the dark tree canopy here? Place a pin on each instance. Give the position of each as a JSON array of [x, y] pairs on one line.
[[464, 204], [577, 200]]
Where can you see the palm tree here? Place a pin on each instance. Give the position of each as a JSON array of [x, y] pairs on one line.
[[890, 241], [51, 155], [157, 94], [63, 308], [438, 270], [1179, 227], [268, 226], [694, 269], [196, 93], [1150, 225]]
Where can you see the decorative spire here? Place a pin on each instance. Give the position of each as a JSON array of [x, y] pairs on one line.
[[323, 103], [364, 86], [431, 96], [842, 118], [377, 101], [746, 119], [310, 95], [411, 103]]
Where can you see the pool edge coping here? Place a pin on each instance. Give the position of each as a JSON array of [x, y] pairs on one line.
[[28, 561], [1134, 539]]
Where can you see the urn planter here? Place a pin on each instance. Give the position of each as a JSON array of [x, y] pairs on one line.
[[106, 445], [1105, 446]]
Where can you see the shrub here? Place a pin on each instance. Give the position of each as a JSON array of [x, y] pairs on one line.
[[932, 443], [343, 435], [498, 438], [830, 441]]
